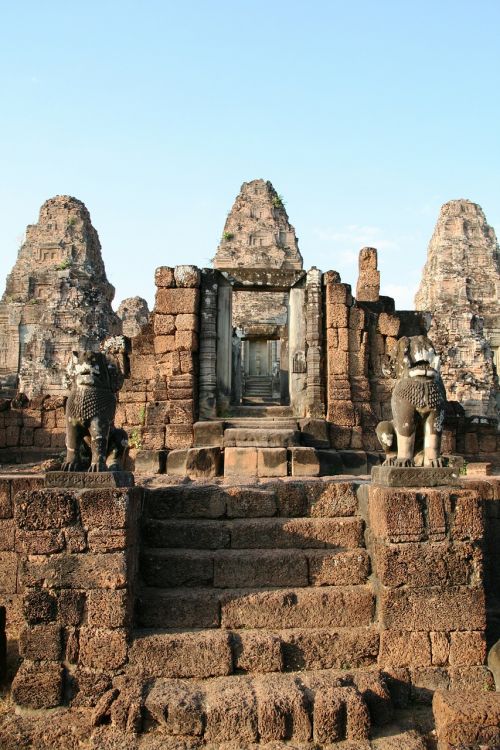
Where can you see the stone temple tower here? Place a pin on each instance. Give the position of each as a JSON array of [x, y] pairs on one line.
[[460, 287], [57, 299]]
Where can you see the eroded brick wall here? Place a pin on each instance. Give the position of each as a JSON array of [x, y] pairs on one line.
[[75, 556]]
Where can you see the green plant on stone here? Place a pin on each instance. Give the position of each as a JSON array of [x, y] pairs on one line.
[[278, 201], [228, 236], [71, 221], [463, 469], [142, 414], [135, 439], [66, 263]]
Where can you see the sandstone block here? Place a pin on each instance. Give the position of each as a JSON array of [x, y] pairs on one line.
[[186, 340], [186, 322], [271, 462], [208, 434], [331, 498], [297, 533], [70, 607], [177, 301], [108, 609], [467, 719], [404, 648], [304, 462], [179, 609], [467, 648], [249, 502], [40, 542], [164, 344], [356, 318], [333, 707], [164, 277], [257, 652], [338, 294], [259, 568], [240, 462], [349, 568], [177, 706], [186, 534], [80, 571], [329, 649], [187, 502], [231, 712], [201, 655], [109, 540], [176, 462], [7, 535], [39, 607], [8, 572], [5, 499], [396, 515], [187, 276], [388, 325], [282, 710], [38, 685], [102, 648], [203, 463], [298, 608], [41, 642], [337, 315], [419, 565], [341, 413], [109, 509], [163, 325], [450, 608], [171, 568], [45, 509], [181, 412], [178, 436], [151, 462]]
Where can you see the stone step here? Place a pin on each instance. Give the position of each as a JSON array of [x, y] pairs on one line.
[[320, 498], [312, 607], [217, 653], [261, 411], [261, 438], [253, 568], [264, 423], [256, 533], [320, 706]]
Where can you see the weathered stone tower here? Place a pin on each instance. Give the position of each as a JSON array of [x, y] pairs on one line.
[[57, 299], [460, 287]]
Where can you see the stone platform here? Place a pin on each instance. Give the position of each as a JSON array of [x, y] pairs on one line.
[[89, 480], [415, 476]]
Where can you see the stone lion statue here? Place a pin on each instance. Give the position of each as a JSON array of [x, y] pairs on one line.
[[91, 437], [413, 437]]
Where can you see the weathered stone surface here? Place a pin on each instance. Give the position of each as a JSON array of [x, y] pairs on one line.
[[461, 287], [368, 286], [38, 685], [86, 480], [412, 476], [439, 608], [134, 314], [57, 299], [200, 655], [257, 233], [467, 719], [256, 651]]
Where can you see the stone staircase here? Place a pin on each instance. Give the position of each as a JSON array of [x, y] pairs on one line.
[[258, 388], [255, 621]]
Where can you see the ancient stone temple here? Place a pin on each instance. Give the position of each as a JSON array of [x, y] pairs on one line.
[[57, 299], [460, 287]]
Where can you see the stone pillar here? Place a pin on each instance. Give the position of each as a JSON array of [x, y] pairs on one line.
[[340, 409], [427, 560], [208, 344], [368, 287], [314, 339], [77, 566], [236, 369], [297, 350], [224, 345]]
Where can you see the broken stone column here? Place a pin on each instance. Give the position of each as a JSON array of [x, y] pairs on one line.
[[314, 339], [134, 314], [368, 286]]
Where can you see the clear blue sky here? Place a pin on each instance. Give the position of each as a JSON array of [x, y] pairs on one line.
[[366, 116]]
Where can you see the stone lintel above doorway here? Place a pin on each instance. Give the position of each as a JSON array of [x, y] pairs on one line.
[[262, 278]]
